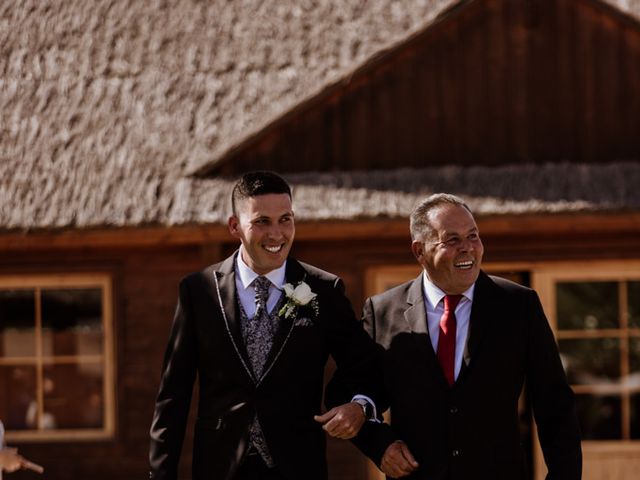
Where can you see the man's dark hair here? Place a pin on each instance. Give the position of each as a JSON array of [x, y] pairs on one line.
[[256, 183], [419, 223]]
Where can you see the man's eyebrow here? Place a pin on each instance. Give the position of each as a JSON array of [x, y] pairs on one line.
[[456, 234]]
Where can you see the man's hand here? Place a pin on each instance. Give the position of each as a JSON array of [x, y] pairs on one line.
[[398, 461], [10, 461], [344, 421]]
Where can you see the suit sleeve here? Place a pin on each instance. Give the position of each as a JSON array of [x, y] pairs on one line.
[[552, 399], [374, 438], [358, 368], [174, 396]]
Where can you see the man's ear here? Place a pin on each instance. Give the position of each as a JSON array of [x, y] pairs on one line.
[[417, 247], [234, 226]]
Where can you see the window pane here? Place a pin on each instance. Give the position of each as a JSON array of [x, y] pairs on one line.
[[635, 416], [73, 396], [18, 407], [72, 322], [590, 361], [17, 323], [634, 304], [599, 417], [587, 305], [634, 362]]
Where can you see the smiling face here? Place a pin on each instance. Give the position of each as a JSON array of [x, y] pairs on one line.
[[451, 254], [264, 224]]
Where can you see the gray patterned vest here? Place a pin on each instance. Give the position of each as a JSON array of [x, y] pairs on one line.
[[258, 334]]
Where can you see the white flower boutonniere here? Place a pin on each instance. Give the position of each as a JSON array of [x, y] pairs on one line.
[[298, 296]]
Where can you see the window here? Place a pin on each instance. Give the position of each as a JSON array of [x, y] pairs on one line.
[[56, 357], [596, 316]]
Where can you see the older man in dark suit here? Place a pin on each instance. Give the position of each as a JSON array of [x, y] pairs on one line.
[[457, 347], [257, 329]]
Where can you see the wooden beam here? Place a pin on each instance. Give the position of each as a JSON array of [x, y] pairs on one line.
[[512, 225]]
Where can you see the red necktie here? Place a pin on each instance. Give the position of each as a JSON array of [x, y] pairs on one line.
[[447, 337]]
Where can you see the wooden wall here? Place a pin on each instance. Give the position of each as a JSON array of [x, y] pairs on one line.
[[493, 82], [145, 286]]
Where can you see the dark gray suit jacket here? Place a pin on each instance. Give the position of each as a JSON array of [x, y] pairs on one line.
[[470, 431]]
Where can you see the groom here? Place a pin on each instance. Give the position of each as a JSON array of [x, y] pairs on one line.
[[257, 329]]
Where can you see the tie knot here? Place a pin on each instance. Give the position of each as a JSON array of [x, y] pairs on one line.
[[451, 302], [261, 284]]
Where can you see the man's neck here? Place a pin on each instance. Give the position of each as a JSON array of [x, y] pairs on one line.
[[247, 274]]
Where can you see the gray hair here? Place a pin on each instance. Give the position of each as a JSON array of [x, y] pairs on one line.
[[419, 223]]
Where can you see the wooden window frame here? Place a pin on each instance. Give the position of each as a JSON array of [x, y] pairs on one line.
[[543, 280], [37, 282]]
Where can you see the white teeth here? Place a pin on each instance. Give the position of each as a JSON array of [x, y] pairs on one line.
[[273, 249], [467, 264]]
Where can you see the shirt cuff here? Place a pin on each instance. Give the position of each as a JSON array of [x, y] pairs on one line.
[[374, 417]]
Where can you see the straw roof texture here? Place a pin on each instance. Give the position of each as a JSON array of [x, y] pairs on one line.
[[521, 189], [107, 106]]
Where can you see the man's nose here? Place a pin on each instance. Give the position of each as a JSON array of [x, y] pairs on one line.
[[467, 245], [275, 231]]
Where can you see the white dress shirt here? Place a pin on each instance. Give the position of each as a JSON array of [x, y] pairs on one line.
[[434, 305], [246, 292]]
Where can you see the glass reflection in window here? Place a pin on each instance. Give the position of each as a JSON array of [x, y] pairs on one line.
[[634, 363], [72, 322], [73, 396], [600, 417], [587, 305], [17, 323], [18, 405], [635, 416], [633, 293], [592, 360]]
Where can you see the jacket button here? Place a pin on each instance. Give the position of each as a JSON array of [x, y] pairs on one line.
[[453, 410], [455, 453]]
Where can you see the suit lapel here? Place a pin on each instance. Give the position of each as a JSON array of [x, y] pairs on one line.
[[294, 274], [225, 280], [416, 317], [415, 314]]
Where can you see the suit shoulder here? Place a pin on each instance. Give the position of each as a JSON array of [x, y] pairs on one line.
[[318, 272], [393, 293], [508, 287], [197, 277]]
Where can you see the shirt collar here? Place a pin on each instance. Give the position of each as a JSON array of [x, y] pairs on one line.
[[434, 295], [247, 276]]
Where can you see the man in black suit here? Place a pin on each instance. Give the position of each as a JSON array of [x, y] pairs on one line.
[[257, 329], [457, 347]]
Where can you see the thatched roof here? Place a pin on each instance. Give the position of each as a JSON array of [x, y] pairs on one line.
[[107, 107], [534, 189]]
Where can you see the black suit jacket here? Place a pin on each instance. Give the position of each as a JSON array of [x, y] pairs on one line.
[[470, 430], [206, 341]]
